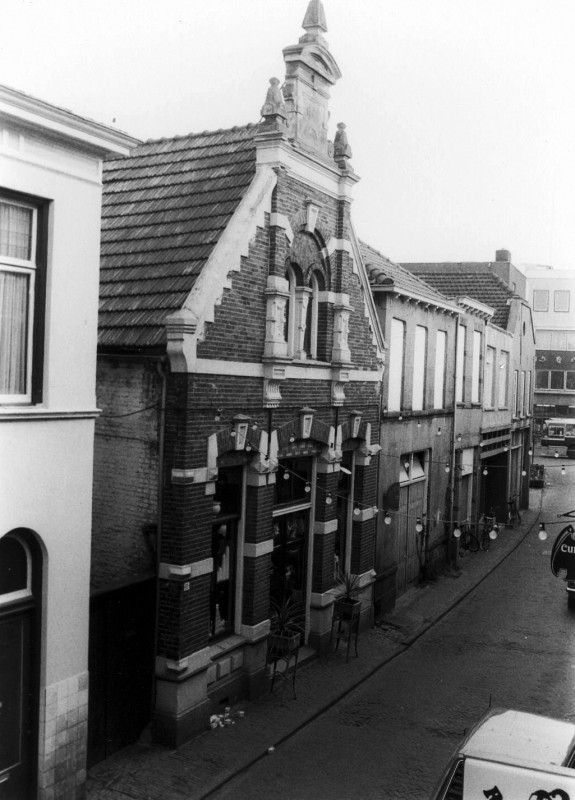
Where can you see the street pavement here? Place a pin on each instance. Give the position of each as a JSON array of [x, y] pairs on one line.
[[201, 767]]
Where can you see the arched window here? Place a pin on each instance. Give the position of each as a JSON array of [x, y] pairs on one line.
[[315, 325], [293, 277]]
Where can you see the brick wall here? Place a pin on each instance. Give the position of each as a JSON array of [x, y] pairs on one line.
[[125, 471]]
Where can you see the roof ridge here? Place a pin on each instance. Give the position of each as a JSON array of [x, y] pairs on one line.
[[192, 134]]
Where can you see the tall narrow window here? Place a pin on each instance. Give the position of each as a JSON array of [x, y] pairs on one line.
[[439, 378], [396, 358], [515, 393], [18, 224], [313, 334], [503, 379], [475, 366], [224, 550], [290, 318], [527, 406], [521, 393], [489, 374], [419, 368], [460, 363]]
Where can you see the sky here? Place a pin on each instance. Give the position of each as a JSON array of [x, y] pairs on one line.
[[460, 113]]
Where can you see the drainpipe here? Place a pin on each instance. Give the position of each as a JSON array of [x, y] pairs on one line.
[[162, 368], [452, 473]]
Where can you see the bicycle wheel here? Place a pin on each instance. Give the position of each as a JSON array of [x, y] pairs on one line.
[[485, 541]]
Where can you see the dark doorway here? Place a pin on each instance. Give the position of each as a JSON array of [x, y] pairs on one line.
[[121, 664], [19, 586]]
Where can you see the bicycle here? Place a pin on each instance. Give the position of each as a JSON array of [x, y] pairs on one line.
[[513, 515], [489, 530], [467, 539]]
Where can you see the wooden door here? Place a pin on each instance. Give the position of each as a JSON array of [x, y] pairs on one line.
[[17, 707], [411, 506]]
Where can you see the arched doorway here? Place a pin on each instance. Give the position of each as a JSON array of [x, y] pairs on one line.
[[20, 571]]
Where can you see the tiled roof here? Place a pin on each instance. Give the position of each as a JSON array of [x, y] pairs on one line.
[[164, 208], [382, 272], [468, 279]]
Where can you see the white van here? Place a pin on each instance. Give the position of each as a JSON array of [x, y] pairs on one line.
[[512, 755]]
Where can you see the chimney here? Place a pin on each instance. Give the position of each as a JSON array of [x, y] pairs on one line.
[[502, 255]]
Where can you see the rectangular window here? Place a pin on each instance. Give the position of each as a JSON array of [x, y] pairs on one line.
[[570, 381], [224, 550], [521, 394], [21, 302], [439, 380], [503, 379], [542, 379], [558, 341], [419, 368], [396, 359], [527, 406], [489, 377], [540, 300], [557, 379], [475, 366], [515, 394], [561, 300], [460, 363]]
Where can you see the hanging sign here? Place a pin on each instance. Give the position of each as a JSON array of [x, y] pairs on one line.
[[563, 553]]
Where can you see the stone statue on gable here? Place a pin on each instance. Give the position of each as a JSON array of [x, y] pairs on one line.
[[274, 102]]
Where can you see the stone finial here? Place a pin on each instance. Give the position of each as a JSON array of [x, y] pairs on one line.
[[341, 148], [274, 102], [314, 21]]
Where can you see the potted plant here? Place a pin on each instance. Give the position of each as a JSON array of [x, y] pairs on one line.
[[286, 626], [347, 600]]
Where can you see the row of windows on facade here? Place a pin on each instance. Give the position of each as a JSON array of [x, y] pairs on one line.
[[561, 300], [495, 373], [555, 340], [556, 380]]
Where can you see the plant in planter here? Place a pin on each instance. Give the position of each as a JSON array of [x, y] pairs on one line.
[[348, 592], [287, 623]]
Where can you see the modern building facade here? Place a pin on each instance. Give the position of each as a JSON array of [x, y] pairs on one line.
[[552, 298], [240, 363], [50, 201]]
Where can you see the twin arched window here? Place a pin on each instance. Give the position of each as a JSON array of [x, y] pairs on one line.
[[306, 314]]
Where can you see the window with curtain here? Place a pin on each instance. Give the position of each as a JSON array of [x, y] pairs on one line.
[[17, 286]]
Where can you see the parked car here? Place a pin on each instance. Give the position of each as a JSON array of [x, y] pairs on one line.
[[512, 755]]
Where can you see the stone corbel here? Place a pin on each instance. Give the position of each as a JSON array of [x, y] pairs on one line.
[[182, 335], [274, 374]]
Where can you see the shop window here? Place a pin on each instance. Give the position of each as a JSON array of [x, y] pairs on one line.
[[22, 280], [344, 500], [557, 379], [570, 380], [293, 482], [224, 550]]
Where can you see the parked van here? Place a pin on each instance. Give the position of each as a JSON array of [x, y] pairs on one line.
[[512, 755]]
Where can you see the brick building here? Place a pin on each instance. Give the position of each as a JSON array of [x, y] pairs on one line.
[[239, 371]]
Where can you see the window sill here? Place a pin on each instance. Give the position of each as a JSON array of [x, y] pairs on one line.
[[35, 413], [223, 646]]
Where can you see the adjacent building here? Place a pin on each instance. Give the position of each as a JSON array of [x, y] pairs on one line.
[[50, 202], [552, 298], [239, 371]]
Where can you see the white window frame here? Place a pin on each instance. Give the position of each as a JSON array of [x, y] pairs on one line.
[[541, 300], [396, 364], [503, 390], [419, 368], [439, 377], [27, 267], [489, 377], [460, 363], [475, 366]]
